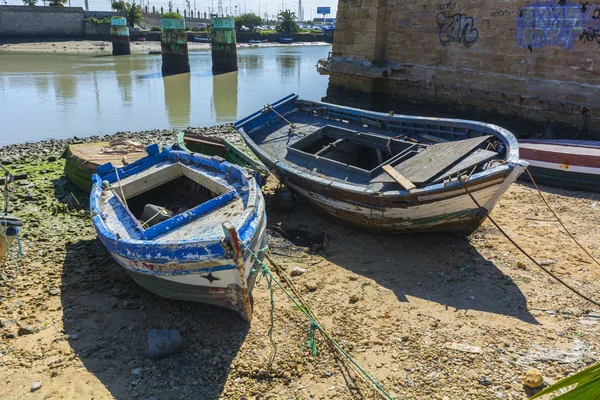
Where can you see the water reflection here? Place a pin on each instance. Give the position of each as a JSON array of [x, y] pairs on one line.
[[177, 99], [250, 62], [225, 91], [65, 88], [123, 70], [289, 66], [41, 84], [86, 95]]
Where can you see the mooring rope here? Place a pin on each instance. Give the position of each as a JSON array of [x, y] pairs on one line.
[[314, 325], [559, 220], [527, 254]]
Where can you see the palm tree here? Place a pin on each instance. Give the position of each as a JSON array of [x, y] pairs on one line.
[[286, 22], [133, 13]]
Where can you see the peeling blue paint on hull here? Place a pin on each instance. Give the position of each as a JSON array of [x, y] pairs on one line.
[[190, 256]]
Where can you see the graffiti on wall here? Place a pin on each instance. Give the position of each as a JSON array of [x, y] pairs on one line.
[[591, 26], [549, 23], [457, 28], [557, 23]]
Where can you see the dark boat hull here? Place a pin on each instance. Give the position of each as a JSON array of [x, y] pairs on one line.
[[451, 211]]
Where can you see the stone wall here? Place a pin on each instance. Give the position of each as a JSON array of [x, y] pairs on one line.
[[534, 60], [41, 21]]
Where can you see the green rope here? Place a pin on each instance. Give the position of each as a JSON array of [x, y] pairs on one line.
[[273, 343], [310, 341], [267, 272]]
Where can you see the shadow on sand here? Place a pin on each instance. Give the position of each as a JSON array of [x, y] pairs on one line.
[[438, 268], [107, 316]]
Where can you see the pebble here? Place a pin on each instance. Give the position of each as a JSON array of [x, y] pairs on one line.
[[297, 271], [53, 291], [532, 378], [25, 329], [36, 386], [164, 342]]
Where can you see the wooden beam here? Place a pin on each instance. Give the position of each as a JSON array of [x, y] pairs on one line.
[[398, 177]]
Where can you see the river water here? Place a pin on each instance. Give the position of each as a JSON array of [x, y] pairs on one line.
[[44, 96]]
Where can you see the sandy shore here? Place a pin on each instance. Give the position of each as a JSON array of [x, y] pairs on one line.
[[103, 47], [428, 316]]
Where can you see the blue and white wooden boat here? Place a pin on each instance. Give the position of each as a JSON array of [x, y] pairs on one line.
[[385, 172], [183, 225], [286, 39]]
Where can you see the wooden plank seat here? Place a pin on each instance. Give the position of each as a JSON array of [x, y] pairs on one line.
[[438, 160]]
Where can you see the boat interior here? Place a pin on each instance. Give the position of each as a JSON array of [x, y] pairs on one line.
[[168, 196], [378, 154]]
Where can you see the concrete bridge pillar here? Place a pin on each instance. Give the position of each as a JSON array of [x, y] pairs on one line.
[[224, 52], [119, 36], [174, 48]]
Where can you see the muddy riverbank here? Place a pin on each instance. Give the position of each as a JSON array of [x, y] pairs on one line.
[[105, 46], [428, 316]]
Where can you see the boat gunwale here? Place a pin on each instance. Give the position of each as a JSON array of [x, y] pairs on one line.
[[510, 162], [258, 166]]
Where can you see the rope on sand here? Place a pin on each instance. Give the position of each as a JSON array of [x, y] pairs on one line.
[[511, 240], [314, 324]]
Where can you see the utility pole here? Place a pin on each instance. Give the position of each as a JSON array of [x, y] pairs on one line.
[[300, 10]]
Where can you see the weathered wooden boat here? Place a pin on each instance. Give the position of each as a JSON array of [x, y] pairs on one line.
[[213, 146], [83, 159], [567, 164], [183, 225], [385, 172]]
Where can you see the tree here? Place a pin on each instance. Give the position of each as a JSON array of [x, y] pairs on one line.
[[286, 22], [133, 13], [118, 6], [29, 2], [57, 3], [248, 20]]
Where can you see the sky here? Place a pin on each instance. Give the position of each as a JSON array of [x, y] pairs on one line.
[[271, 6]]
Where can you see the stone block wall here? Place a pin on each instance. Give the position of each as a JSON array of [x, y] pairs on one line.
[[41, 21], [538, 60]]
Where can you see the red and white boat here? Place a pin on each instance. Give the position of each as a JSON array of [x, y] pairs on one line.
[[567, 164]]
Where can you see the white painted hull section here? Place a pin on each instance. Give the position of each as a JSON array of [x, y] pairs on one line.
[[566, 168]]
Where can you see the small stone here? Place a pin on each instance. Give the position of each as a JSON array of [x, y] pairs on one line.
[[297, 271], [136, 371], [132, 304], [36, 386], [164, 342], [532, 378], [25, 329], [52, 158], [53, 291], [354, 298], [521, 265], [484, 381]]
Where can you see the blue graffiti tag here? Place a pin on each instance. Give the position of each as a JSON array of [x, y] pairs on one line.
[[547, 23]]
